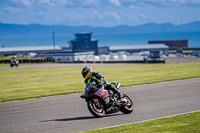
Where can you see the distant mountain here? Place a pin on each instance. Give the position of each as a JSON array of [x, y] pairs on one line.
[[37, 30]]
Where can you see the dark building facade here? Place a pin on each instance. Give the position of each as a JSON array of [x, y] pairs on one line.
[[178, 44], [103, 50], [84, 43]]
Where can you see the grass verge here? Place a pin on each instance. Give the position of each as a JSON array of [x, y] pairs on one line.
[[189, 123], [17, 84]]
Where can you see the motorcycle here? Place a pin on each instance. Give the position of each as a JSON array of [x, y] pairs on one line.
[[14, 62], [101, 101]]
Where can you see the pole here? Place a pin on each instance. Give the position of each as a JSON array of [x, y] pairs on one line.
[[53, 41]]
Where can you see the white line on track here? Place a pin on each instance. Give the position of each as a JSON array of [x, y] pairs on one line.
[[151, 119]]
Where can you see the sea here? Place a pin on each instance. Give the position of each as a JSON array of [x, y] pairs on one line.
[[105, 40]]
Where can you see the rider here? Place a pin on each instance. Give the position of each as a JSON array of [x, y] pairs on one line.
[[99, 79], [14, 59]]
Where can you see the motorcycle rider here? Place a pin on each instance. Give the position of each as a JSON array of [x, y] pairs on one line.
[[14, 60], [99, 80]]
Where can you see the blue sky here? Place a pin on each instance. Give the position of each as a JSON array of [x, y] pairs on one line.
[[99, 12]]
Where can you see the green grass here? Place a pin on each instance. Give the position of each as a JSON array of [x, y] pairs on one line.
[[172, 51], [184, 51], [187, 51], [19, 58], [189, 123], [18, 84]]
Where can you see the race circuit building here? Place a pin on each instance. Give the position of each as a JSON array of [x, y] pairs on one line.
[[154, 50], [83, 43], [84, 48], [172, 43]]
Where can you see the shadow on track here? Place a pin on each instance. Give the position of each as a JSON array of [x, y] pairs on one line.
[[79, 118]]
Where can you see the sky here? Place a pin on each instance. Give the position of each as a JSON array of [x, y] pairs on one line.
[[97, 13]]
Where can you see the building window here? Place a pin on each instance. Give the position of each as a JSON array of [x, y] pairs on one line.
[[85, 37], [58, 59], [84, 41]]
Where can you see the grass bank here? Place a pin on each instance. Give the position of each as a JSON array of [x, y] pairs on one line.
[[18, 84], [189, 123]]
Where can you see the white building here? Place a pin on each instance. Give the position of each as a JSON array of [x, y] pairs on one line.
[[71, 57], [25, 51]]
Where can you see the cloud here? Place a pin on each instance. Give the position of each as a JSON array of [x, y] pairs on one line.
[[60, 3], [115, 2], [26, 3], [115, 15], [12, 9], [160, 3], [98, 12], [89, 2], [143, 16]]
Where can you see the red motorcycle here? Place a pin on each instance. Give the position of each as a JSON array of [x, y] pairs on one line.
[[101, 101]]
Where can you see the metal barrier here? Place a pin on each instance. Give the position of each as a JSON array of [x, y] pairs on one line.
[[30, 61], [99, 62]]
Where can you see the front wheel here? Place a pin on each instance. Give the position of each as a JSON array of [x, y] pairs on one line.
[[127, 107], [95, 107]]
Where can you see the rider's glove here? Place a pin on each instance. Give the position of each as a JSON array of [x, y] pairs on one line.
[[93, 84]]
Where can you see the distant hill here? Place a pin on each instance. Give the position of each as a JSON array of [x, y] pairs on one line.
[[37, 30]]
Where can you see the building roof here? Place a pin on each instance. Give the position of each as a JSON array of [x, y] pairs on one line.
[[75, 40], [34, 48], [138, 47], [83, 33], [69, 54]]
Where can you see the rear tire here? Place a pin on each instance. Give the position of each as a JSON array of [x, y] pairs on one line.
[[94, 109], [127, 108]]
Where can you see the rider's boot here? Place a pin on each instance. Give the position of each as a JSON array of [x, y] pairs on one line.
[[121, 98], [120, 95]]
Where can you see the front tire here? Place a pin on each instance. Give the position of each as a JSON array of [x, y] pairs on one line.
[[127, 108], [95, 107]]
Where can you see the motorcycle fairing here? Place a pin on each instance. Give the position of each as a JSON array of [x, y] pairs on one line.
[[102, 93]]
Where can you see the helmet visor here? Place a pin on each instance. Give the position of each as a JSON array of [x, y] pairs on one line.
[[88, 74]]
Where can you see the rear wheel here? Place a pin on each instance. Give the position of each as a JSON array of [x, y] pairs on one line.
[[127, 107], [95, 107]]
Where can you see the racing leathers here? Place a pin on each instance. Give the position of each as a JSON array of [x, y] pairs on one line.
[[100, 81]]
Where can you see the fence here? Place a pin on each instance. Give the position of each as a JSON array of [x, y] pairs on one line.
[[53, 61], [30, 61]]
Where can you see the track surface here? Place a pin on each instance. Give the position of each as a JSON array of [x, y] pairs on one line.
[[53, 65], [68, 113]]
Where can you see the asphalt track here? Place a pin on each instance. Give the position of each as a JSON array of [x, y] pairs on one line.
[[53, 65], [69, 113]]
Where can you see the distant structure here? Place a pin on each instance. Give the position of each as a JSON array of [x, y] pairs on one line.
[[85, 49], [84, 43], [178, 44], [154, 50], [26, 51]]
